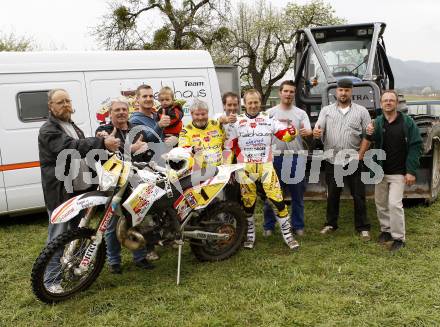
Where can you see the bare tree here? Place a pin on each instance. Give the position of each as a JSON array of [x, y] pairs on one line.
[[190, 25], [12, 42], [261, 39]]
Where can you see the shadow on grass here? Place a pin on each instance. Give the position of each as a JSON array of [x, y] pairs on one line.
[[28, 219]]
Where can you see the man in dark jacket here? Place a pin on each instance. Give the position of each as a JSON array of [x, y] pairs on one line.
[[398, 135], [56, 137], [60, 133]]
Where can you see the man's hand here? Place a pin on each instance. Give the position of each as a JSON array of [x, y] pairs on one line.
[[103, 134], [198, 147], [111, 142], [317, 132], [304, 131], [164, 121], [410, 179], [370, 128], [171, 140], [139, 146], [232, 118], [223, 119]]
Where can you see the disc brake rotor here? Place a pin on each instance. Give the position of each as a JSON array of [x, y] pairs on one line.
[[226, 229]]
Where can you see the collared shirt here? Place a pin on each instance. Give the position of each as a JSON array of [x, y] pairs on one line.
[[343, 131], [80, 166]]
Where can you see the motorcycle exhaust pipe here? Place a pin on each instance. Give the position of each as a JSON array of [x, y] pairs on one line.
[[129, 238]]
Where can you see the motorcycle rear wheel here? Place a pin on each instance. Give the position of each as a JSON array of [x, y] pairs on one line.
[[60, 283], [222, 217]]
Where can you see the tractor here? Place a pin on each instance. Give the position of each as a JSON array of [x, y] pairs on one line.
[[326, 54]]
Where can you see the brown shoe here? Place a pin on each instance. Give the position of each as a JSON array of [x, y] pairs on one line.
[[384, 237], [397, 245]]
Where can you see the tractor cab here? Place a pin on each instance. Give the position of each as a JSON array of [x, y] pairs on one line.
[[326, 54]]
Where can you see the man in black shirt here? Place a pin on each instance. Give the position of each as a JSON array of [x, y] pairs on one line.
[[120, 127], [398, 135]]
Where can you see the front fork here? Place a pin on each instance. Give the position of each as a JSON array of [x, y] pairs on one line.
[[93, 247], [68, 253]]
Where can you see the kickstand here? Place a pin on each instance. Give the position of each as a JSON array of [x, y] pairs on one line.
[[179, 257]]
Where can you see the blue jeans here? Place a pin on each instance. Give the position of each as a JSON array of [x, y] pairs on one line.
[[296, 192], [114, 247], [52, 274]]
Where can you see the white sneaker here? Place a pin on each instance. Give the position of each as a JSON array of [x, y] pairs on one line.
[[55, 288], [327, 230], [267, 233], [365, 235], [152, 256], [248, 244], [299, 232]]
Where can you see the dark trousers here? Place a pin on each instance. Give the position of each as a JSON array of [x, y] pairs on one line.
[[357, 190]]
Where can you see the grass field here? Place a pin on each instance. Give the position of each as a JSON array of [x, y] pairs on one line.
[[334, 280]]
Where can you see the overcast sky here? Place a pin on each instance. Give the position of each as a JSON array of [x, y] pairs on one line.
[[413, 30]]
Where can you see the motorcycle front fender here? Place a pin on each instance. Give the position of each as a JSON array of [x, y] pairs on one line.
[[72, 207]]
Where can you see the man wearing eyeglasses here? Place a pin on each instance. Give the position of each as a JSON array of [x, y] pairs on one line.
[[58, 133]]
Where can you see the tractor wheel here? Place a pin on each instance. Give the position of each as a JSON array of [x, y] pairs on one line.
[[435, 174]]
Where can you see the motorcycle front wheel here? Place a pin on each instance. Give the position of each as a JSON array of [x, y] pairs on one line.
[[53, 275], [223, 217]]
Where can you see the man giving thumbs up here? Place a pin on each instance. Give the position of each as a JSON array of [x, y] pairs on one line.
[[286, 154]]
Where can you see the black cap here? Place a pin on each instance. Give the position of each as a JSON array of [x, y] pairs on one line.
[[345, 83]]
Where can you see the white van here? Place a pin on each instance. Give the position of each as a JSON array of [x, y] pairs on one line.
[[92, 79]]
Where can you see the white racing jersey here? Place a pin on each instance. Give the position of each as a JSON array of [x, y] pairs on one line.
[[251, 137]]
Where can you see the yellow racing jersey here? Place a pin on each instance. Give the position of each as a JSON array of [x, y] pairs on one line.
[[210, 139]]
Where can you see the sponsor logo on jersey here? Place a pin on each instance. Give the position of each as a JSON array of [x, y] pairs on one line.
[[253, 125], [213, 133]]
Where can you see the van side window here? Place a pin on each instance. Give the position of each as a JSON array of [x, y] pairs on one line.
[[32, 106]]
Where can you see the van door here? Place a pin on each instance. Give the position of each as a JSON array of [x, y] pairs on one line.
[[24, 110]]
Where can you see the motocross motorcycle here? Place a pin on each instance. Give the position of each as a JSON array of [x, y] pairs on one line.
[[152, 207]]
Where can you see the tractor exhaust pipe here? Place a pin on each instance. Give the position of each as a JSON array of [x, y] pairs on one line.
[[129, 238]]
